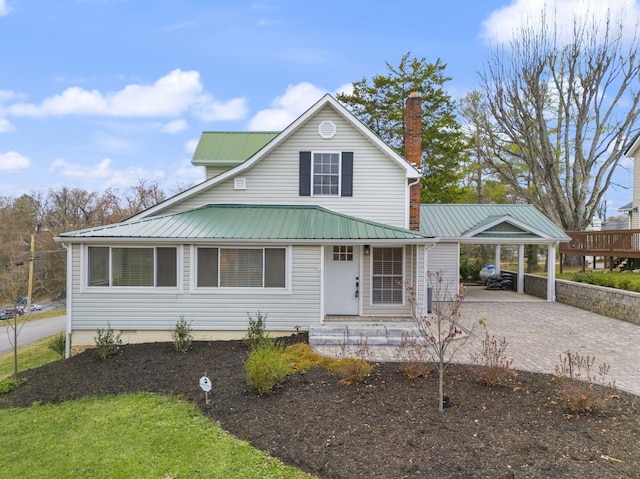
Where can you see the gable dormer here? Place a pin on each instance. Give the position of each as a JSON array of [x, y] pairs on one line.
[[220, 151]]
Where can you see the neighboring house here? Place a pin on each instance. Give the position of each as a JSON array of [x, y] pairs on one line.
[[319, 221], [631, 209]]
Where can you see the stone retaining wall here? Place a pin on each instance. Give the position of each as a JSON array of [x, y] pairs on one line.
[[611, 302]]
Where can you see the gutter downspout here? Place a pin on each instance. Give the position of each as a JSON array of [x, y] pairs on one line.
[[425, 293], [67, 348]]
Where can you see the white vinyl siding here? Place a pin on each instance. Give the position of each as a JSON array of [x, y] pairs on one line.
[[298, 306], [445, 258], [635, 202], [379, 184]]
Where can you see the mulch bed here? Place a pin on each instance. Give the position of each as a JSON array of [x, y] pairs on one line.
[[387, 426]]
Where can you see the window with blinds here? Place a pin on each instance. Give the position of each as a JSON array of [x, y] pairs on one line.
[[241, 267], [387, 276], [132, 267]]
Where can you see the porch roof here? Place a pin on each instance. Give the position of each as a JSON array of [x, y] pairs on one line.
[[490, 222], [250, 223]]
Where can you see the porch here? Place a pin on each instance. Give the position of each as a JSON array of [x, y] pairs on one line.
[[609, 244]]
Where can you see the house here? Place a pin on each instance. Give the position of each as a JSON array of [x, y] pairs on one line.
[[319, 221], [633, 152]]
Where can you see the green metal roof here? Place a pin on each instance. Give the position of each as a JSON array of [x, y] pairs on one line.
[[229, 148], [250, 223], [455, 220]]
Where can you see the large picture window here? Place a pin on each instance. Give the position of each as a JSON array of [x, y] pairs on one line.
[[241, 267], [132, 267], [387, 276]]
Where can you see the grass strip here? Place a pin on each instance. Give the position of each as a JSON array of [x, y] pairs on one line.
[[127, 436]]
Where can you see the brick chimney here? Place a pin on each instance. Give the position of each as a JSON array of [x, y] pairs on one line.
[[413, 153]]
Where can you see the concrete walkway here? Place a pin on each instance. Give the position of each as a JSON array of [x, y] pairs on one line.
[[537, 333]]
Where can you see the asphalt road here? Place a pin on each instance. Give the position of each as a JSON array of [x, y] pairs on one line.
[[31, 331]]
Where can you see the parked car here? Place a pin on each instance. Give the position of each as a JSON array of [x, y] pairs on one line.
[[11, 312], [36, 307]]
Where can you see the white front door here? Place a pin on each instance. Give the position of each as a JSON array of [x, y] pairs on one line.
[[342, 280]]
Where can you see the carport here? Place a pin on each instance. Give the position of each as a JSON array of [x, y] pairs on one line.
[[492, 224]]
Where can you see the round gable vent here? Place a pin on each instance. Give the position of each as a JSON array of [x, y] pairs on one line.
[[327, 130]]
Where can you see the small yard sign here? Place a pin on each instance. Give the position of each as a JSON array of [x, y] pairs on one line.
[[205, 385]]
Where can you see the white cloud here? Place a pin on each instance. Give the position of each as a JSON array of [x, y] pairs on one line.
[[175, 126], [286, 108], [12, 161], [211, 110], [101, 175], [190, 146], [501, 25], [6, 126], [68, 170], [172, 95], [4, 8]]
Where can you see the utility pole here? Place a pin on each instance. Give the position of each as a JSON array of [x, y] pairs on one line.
[[31, 258]]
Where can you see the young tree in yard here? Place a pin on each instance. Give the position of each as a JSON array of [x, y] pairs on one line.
[[13, 283], [559, 108], [441, 331], [380, 104]]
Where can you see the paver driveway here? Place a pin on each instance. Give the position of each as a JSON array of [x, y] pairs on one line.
[[537, 333]]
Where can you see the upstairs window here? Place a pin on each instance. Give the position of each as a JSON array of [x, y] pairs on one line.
[[132, 267], [326, 173]]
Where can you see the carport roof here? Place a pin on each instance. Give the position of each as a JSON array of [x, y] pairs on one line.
[[502, 223], [250, 223]]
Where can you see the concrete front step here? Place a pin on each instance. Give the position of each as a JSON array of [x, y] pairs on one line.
[[360, 334]]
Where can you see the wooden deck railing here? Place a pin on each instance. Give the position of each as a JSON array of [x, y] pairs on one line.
[[608, 243]]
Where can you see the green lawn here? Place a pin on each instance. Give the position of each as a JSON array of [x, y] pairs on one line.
[[30, 356], [128, 436]]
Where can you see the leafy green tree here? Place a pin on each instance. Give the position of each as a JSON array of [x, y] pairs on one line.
[[380, 105]]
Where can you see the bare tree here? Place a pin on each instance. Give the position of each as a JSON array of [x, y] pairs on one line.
[[440, 333], [144, 195], [560, 113], [13, 283]]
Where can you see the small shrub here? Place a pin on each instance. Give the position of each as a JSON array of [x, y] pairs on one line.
[[413, 357], [58, 344], [496, 370], [579, 385], [182, 335], [266, 367], [350, 370], [256, 334], [302, 357], [107, 342], [9, 384]]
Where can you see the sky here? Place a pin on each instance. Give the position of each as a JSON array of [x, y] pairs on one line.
[[99, 94]]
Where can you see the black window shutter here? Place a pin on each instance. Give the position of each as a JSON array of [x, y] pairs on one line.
[[305, 173], [347, 173]]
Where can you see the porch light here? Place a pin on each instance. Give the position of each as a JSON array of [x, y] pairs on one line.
[[367, 250]]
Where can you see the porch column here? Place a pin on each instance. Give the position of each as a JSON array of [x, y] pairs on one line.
[[497, 259], [551, 273], [521, 269]]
